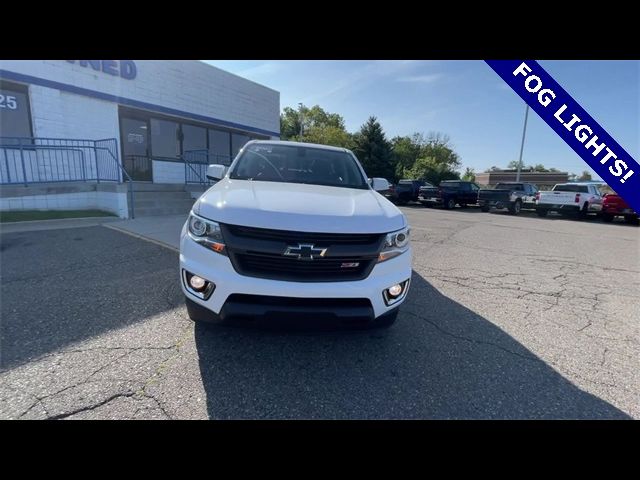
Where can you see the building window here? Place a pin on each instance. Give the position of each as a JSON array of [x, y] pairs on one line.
[[15, 117], [237, 142], [164, 139], [193, 138], [220, 147]]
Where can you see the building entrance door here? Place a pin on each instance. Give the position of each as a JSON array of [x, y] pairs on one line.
[[134, 135]]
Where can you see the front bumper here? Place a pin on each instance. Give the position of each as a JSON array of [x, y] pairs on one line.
[[218, 269], [433, 200]]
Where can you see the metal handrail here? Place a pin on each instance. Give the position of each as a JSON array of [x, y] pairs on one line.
[[130, 180], [40, 147], [201, 153], [65, 144]]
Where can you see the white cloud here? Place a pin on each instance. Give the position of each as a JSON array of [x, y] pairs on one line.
[[429, 78], [366, 74]]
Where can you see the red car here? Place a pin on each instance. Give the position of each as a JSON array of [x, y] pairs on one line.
[[613, 205]]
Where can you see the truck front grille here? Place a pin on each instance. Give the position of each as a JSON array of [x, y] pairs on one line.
[[259, 253]]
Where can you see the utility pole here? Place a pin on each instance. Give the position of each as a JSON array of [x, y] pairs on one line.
[[301, 119], [524, 132]]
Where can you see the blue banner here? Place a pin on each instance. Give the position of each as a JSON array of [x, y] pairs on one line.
[[574, 125]]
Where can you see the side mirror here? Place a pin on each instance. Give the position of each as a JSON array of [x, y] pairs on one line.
[[216, 172], [379, 184]]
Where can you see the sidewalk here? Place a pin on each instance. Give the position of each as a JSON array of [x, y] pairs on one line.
[[163, 230]]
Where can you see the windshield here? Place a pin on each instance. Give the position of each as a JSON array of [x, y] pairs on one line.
[[298, 164], [509, 186], [571, 188]]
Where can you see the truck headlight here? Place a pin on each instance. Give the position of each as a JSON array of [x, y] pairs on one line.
[[395, 244], [207, 233]]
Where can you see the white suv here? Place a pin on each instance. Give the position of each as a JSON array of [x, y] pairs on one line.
[[294, 230]]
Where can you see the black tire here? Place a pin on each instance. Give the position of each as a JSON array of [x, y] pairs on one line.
[[198, 313], [631, 219], [388, 319], [450, 204], [541, 212], [584, 212], [607, 217], [515, 208], [484, 209]]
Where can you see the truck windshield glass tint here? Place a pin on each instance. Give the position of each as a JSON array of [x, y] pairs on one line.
[[292, 164]]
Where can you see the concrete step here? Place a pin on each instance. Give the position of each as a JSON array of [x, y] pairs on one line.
[[164, 203], [158, 187], [146, 195], [150, 211]]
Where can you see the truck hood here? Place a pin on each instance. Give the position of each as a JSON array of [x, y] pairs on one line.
[[300, 207]]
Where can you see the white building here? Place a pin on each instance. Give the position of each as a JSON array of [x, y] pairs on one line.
[[73, 131]]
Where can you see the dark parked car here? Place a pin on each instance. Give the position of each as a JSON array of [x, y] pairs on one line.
[[512, 195], [408, 190], [450, 193]]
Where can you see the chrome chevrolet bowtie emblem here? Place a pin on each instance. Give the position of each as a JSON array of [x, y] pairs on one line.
[[305, 251]]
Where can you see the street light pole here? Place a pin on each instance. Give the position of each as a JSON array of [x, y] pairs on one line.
[[524, 132], [300, 116]]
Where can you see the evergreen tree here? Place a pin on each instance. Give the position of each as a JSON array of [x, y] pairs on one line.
[[373, 150]]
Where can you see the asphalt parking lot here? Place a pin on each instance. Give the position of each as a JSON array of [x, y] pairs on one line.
[[508, 317]]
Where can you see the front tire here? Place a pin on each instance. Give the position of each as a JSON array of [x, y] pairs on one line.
[[515, 208], [450, 205], [198, 313]]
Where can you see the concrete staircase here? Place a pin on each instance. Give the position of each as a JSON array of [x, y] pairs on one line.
[[152, 199]]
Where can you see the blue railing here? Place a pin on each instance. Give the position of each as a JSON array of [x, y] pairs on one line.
[[30, 160], [196, 163]]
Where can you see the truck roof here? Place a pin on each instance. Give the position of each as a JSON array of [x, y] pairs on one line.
[[297, 144], [582, 184]]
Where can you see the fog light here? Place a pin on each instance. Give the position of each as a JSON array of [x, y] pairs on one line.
[[197, 283], [395, 293], [395, 290]]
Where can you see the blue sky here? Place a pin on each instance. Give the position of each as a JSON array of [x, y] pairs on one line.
[[464, 99]]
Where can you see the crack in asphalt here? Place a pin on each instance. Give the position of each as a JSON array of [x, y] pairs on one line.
[[111, 398], [471, 340]]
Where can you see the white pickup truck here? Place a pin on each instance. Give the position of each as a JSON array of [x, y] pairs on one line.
[[572, 198], [295, 230]]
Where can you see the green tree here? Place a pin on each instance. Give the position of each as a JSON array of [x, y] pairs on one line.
[[439, 147], [373, 150], [585, 177], [469, 175], [405, 152], [431, 170], [316, 123], [329, 135]]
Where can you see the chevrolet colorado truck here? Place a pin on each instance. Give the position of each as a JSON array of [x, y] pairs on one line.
[[577, 199], [294, 230], [513, 196]]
